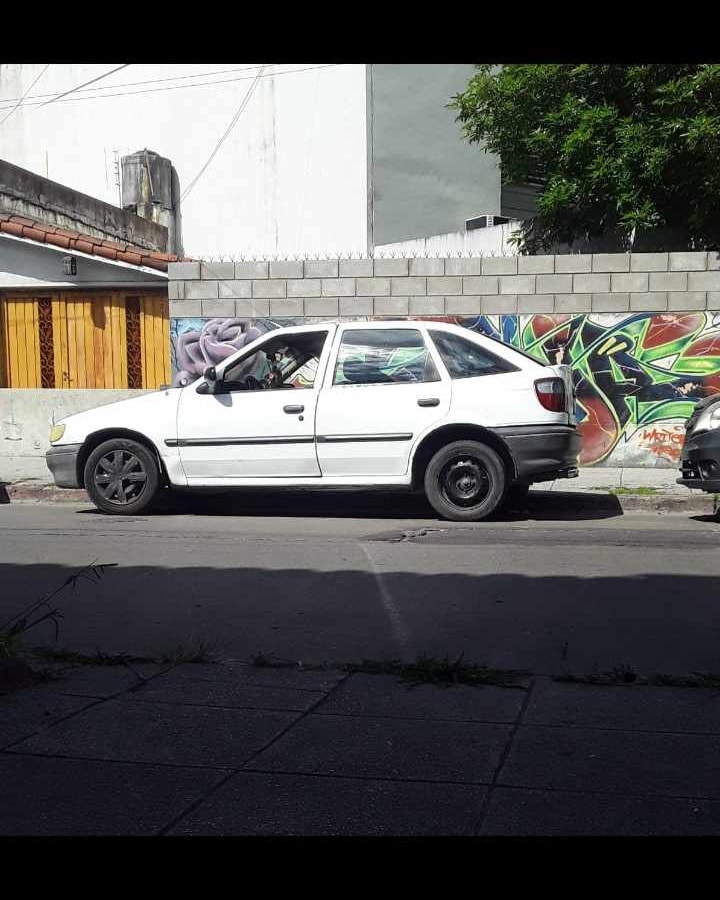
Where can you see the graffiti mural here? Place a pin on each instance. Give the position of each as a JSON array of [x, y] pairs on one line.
[[637, 376], [197, 343]]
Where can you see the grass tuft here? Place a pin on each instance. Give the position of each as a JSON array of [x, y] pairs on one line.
[[442, 672]]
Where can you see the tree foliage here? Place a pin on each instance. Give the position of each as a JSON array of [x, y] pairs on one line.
[[628, 151]]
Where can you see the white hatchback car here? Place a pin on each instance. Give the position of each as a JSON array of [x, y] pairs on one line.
[[405, 404]]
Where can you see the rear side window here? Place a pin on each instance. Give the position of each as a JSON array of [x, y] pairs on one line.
[[465, 359], [384, 356]]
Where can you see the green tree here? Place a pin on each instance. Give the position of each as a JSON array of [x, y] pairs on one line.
[[632, 152]]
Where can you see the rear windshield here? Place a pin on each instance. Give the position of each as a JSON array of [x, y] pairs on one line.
[[515, 349]]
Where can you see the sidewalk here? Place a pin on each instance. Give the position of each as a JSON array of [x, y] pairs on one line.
[[231, 748]]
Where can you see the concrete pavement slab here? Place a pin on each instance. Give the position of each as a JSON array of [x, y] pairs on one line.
[[620, 762], [387, 748], [640, 707], [45, 796], [161, 733], [186, 690], [253, 803], [554, 813], [383, 695], [102, 681], [25, 712]]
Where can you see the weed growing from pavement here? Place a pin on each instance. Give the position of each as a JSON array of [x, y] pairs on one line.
[[642, 491], [442, 672], [14, 629], [195, 651], [425, 670]]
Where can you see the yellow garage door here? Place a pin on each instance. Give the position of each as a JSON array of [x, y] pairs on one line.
[[78, 341]]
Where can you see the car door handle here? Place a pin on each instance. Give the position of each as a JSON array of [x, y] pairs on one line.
[[429, 401], [293, 409]]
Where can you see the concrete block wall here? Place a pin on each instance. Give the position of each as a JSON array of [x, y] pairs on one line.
[[575, 283]]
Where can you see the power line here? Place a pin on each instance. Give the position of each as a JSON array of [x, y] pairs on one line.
[[177, 87], [81, 86], [146, 81], [230, 127], [19, 103]]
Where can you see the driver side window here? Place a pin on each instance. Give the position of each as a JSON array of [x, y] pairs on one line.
[[285, 361]]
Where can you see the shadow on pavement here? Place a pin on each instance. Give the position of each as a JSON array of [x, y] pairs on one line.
[[539, 506], [544, 623]]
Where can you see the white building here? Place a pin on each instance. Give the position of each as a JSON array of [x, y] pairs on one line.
[[286, 159]]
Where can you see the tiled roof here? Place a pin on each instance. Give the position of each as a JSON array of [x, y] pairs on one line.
[[33, 230]]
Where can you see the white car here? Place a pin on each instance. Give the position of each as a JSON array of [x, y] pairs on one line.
[[404, 404]]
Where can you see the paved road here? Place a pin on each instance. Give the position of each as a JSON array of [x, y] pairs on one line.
[[567, 584]]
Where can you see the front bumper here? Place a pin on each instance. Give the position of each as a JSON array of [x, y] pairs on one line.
[[62, 462], [542, 453], [700, 462]]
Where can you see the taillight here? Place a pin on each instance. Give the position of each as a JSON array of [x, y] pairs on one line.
[[551, 394]]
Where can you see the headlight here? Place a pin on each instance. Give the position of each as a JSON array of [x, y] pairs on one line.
[[709, 419], [56, 432]]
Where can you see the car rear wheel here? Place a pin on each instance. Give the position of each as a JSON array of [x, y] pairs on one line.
[[465, 481], [122, 477]]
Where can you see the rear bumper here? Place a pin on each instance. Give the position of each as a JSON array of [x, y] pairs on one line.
[[62, 462], [542, 453], [700, 462]]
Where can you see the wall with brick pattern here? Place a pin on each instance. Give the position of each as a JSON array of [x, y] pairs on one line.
[[575, 283]]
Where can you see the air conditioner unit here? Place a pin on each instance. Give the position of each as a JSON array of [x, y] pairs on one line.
[[485, 222]]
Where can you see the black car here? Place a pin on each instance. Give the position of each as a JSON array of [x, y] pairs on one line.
[[700, 459]]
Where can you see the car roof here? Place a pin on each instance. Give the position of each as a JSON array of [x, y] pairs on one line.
[[381, 323]]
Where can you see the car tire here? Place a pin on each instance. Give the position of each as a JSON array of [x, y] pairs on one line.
[[122, 477], [465, 481]]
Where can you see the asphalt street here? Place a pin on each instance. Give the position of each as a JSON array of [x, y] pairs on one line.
[[563, 585]]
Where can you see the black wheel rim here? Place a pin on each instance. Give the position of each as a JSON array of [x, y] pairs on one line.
[[120, 477], [464, 481]]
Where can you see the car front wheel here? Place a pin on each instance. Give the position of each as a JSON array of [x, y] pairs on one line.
[[465, 481], [122, 477]]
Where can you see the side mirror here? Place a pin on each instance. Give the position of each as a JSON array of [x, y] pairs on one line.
[[210, 374]]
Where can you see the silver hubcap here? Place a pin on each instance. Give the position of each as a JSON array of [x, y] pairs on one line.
[[120, 477]]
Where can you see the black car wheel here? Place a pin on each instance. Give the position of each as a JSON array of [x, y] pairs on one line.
[[465, 481], [122, 477]]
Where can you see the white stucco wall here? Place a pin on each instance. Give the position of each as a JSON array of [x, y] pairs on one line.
[[493, 241], [290, 178]]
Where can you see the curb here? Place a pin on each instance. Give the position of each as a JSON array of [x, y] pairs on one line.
[[692, 502], [40, 493], [670, 502]]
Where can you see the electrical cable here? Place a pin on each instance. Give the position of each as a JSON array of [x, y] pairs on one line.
[[84, 85], [125, 84], [20, 100], [233, 122], [177, 87]]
